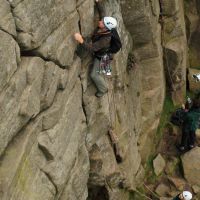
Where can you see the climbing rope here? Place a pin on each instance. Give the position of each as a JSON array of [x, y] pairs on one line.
[[109, 102], [151, 191], [114, 105], [143, 195], [110, 113]]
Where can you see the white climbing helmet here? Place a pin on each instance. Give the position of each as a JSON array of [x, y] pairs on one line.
[[187, 195], [110, 22]]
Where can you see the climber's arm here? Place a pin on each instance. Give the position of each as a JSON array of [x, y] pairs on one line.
[[103, 42]]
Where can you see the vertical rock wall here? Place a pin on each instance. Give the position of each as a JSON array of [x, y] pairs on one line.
[[192, 27], [175, 48], [146, 33], [54, 141]]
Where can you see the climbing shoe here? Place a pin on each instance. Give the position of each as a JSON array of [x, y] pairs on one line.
[[191, 146], [181, 148], [100, 94], [108, 73]]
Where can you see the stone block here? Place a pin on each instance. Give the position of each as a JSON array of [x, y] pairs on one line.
[[179, 183], [196, 189], [9, 59], [7, 22], [49, 84], [194, 85], [170, 7], [30, 102], [35, 183], [159, 164], [77, 187], [14, 3], [171, 166], [63, 79], [45, 17], [162, 190], [63, 140], [59, 46], [35, 71], [10, 120], [86, 18], [15, 156], [51, 117], [191, 162]]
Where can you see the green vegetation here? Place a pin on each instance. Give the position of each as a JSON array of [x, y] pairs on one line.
[[149, 172], [190, 94], [168, 108], [150, 176], [138, 195], [193, 58]]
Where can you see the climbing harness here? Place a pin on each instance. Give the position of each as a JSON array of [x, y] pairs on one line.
[[105, 65]]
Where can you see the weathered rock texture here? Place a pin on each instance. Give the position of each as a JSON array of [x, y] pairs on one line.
[[175, 48], [150, 84], [191, 166], [193, 32], [54, 141]]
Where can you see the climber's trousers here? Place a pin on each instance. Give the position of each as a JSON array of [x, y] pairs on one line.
[[98, 79]]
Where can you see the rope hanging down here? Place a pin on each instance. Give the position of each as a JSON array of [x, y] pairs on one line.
[[144, 195]]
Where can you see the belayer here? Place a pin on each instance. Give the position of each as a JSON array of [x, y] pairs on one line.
[[190, 125], [185, 195], [105, 42]]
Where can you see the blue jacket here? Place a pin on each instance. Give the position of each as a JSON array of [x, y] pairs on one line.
[[191, 119]]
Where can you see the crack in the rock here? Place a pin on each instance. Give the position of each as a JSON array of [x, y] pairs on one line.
[[46, 152], [79, 22], [83, 106], [51, 180], [13, 138], [32, 53], [15, 5], [3, 30]]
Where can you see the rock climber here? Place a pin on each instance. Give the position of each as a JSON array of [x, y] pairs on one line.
[[189, 127], [101, 41], [185, 195]]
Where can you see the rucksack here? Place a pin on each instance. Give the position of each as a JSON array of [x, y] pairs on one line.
[[115, 44], [177, 117]]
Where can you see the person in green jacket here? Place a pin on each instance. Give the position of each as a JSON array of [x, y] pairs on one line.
[[190, 125], [101, 41], [185, 195]]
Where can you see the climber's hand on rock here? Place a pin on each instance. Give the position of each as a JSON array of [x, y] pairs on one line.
[[78, 37]]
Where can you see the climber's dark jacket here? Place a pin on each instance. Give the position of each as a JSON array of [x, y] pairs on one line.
[[176, 198], [100, 43], [191, 120]]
